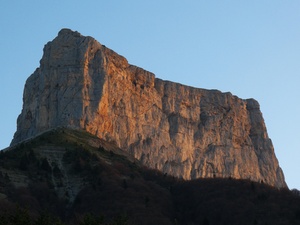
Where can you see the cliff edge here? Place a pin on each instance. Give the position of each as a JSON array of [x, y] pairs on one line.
[[183, 131]]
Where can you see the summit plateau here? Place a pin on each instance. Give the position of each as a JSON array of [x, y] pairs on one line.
[[182, 131]]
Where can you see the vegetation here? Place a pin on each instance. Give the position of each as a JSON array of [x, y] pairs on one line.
[[115, 190], [21, 216]]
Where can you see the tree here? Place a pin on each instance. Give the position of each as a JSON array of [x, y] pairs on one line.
[[20, 217], [46, 219], [90, 219]]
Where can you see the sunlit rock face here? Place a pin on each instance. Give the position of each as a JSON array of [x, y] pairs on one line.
[[183, 131]]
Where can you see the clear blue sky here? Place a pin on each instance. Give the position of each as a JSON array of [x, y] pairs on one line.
[[250, 48]]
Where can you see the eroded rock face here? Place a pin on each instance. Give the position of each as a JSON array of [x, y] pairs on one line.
[[183, 131]]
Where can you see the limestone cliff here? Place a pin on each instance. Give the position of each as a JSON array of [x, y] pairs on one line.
[[183, 131]]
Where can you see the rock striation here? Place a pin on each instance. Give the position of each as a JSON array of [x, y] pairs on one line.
[[183, 131]]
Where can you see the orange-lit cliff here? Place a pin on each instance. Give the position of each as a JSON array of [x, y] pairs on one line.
[[183, 131]]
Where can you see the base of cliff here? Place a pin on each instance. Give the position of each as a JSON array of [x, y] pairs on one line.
[[71, 177]]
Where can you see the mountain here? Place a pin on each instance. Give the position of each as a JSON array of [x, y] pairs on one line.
[[182, 131], [67, 176]]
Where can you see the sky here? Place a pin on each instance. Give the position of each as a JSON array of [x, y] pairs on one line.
[[250, 48]]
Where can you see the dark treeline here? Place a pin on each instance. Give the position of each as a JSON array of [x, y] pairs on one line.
[[117, 191]]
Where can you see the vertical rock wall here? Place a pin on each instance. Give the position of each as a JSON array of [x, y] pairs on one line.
[[183, 131]]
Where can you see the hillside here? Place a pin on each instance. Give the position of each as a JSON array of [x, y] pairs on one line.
[[66, 176]]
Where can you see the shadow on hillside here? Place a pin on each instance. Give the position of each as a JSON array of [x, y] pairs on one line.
[[114, 190]]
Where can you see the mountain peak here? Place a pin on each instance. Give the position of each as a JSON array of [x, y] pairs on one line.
[[67, 31], [183, 131]]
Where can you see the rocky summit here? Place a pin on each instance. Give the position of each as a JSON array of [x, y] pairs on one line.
[[182, 131]]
